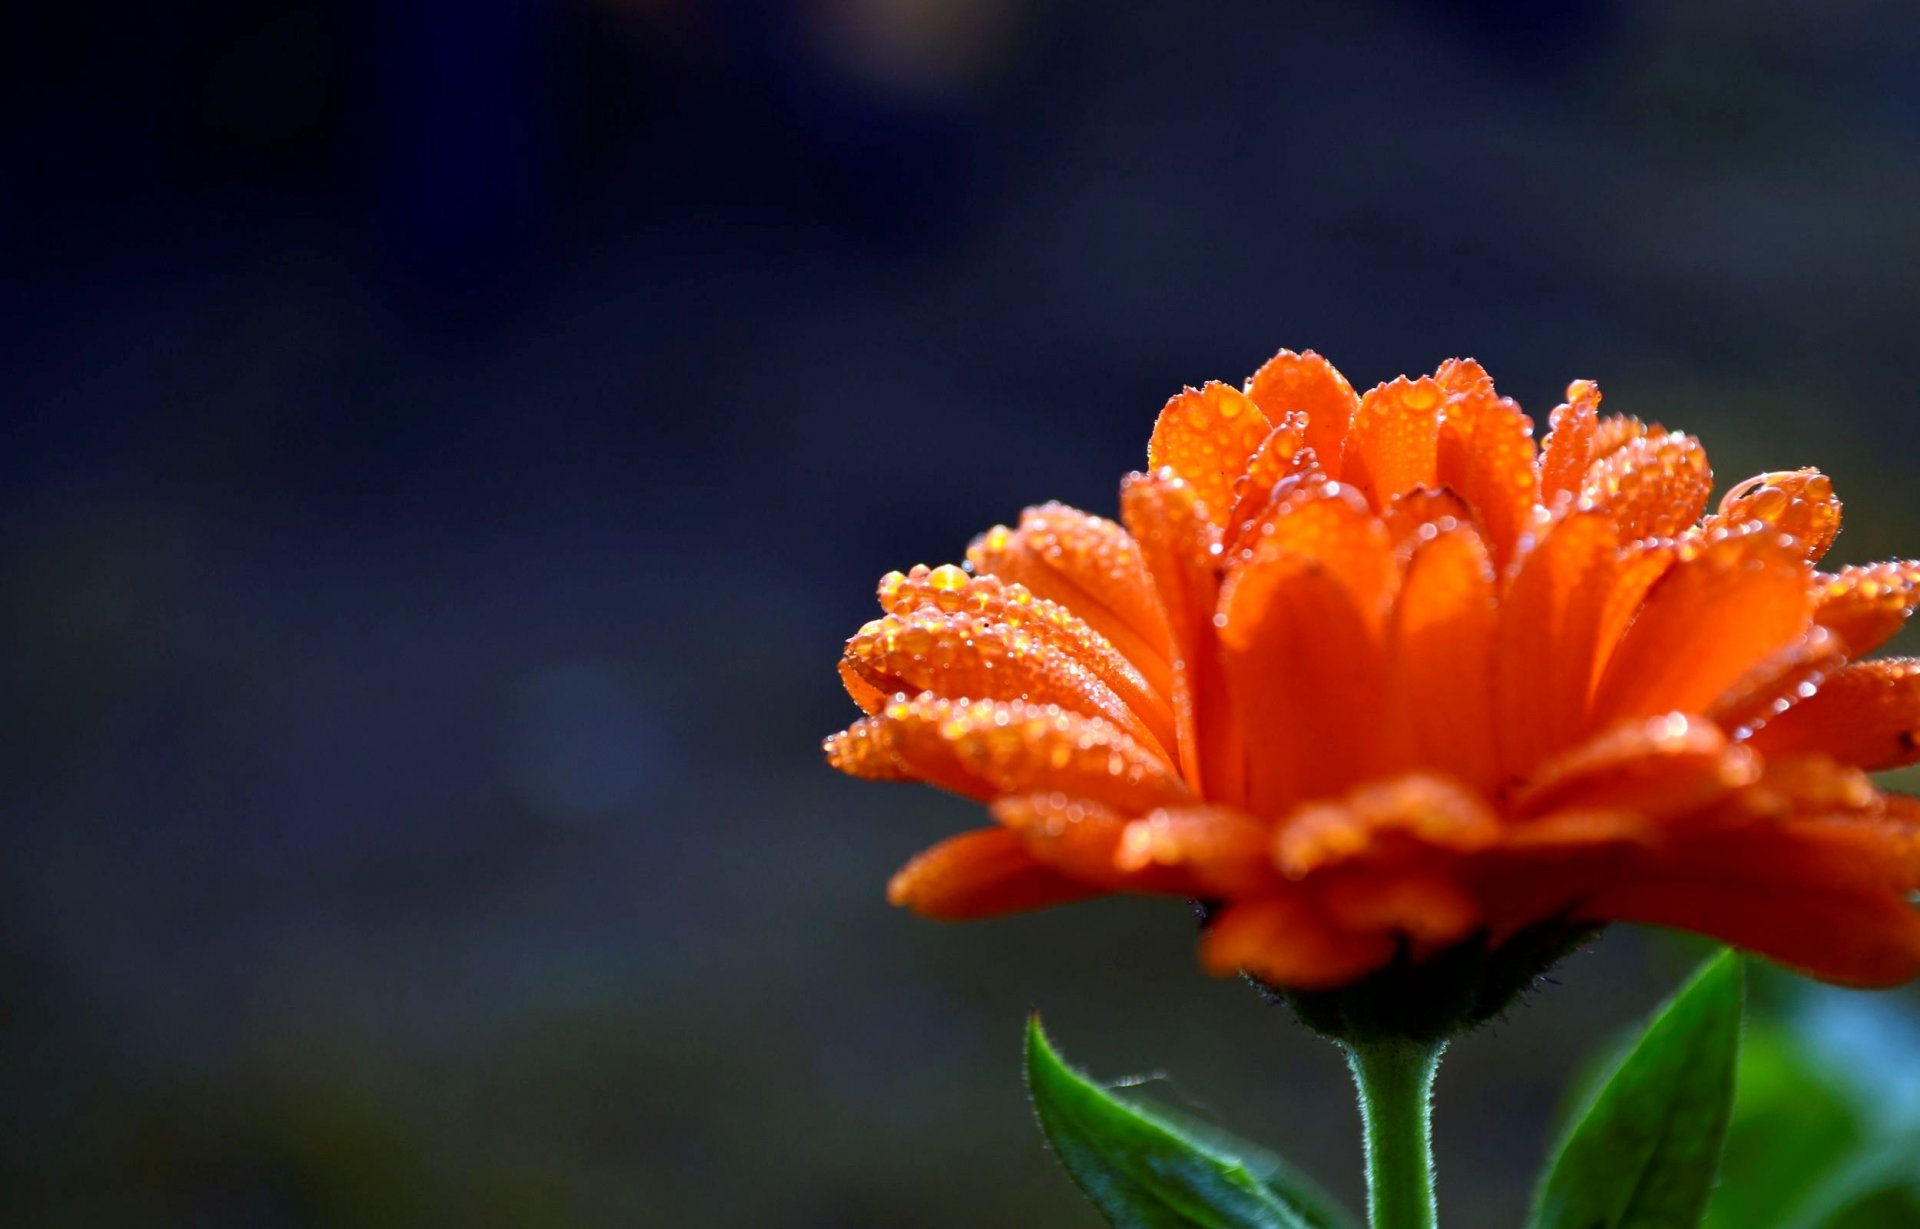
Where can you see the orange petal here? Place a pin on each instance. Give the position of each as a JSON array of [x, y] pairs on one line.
[[1462, 376], [1866, 606], [1303, 668], [988, 597], [1421, 512], [1569, 446], [1331, 526], [1547, 638], [1667, 765], [1848, 938], [1282, 456], [1392, 445], [1307, 384], [870, 698], [1224, 851], [1777, 683], [1286, 941], [986, 748], [1182, 549], [1417, 810], [865, 749], [1866, 714], [1079, 839], [1439, 661], [1641, 566], [978, 874], [1800, 504], [1652, 487], [963, 656], [1090, 566], [1486, 453], [1207, 436], [1706, 622], [1614, 432], [1429, 908]]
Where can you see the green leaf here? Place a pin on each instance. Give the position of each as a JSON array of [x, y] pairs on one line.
[[1644, 1153], [1145, 1170]]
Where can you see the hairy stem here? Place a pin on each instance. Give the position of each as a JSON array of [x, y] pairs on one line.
[[1395, 1079]]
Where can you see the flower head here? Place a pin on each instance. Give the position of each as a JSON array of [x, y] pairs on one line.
[[1381, 677]]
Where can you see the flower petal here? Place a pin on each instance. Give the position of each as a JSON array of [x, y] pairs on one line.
[[1331, 525], [985, 749], [1439, 661], [1286, 941], [1657, 767], [1430, 908], [1303, 668], [1799, 503], [865, 749], [1652, 487], [1844, 937], [1547, 637], [1182, 549], [1393, 443], [1223, 851], [1092, 567], [988, 597], [1078, 838], [1207, 436], [1282, 458], [1417, 810], [1706, 622], [1569, 446], [983, 873], [1866, 606], [1866, 714], [1307, 384], [1486, 453], [963, 656]]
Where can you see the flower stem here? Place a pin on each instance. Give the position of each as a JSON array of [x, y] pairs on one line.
[[1395, 1079]]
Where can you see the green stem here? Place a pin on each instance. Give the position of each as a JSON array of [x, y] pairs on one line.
[[1395, 1079]]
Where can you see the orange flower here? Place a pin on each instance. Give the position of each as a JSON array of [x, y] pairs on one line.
[[1377, 676]]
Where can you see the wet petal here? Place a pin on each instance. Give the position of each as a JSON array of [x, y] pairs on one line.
[[1652, 487], [1331, 526], [1866, 714], [1282, 458], [1207, 436], [988, 748], [1393, 443], [1430, 908], [1570, 443], [1223, 851], [1303, 668], [1090, 566], [983, 873], [1439, 661], [1548, 634], [1307, 384], [1286, 941], [1386, 816], [865, 749], [1849, 938], [1866, 606], [1667, 765], [963, 656], [1706, 622], [1183, 551], [1778, 682], [1800, 504], [1486, 454], [988, 597]]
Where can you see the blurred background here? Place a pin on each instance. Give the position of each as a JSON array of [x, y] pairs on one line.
[[446, 445]]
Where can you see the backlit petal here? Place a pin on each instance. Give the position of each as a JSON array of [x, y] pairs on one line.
[[1287, 941], [983, 873], [1307, 384], [1867, 606], [1652, 487], [1569, 447], [1486, 454], [1393, 444], [1800, 504], [1207, 436], [1866, 714], [1439, 661]]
